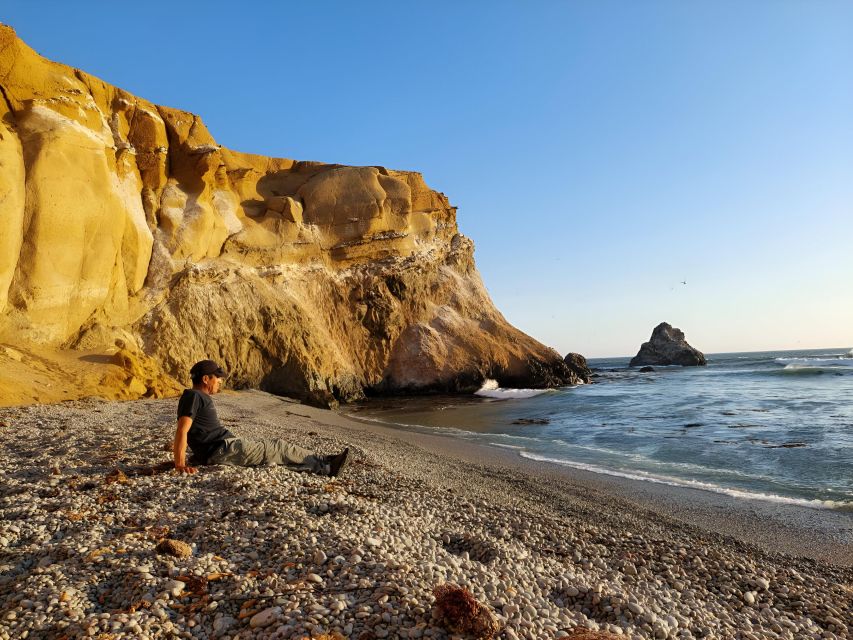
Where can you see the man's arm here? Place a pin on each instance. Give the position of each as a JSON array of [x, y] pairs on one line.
[[179, 448]]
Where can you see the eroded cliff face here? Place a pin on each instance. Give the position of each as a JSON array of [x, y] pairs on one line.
[[121, 219]]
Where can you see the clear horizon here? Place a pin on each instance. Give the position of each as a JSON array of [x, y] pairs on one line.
[[727, 353], [601, 154]]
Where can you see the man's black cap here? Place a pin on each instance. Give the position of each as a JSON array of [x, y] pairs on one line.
[[206, 368]]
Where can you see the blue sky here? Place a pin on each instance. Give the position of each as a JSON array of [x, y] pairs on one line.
[[600, 153]]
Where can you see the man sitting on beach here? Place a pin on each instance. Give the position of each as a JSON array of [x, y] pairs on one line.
[[211, 443]]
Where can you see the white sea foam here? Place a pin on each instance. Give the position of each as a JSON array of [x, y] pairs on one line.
[[641, 459], [389, 423], [694, 484], [587, 447], [805, 368], [490, 389], [830, 363], [836, 361], [508, 436]]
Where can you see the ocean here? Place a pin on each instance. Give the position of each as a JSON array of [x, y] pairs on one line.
[[774, 426]]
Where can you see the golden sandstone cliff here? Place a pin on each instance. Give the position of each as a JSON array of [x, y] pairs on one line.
[[132, 245]]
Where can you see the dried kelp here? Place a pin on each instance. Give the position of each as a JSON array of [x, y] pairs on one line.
[[459, 612]]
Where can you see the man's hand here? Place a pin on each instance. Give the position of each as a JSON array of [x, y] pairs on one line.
[[185, 469], [180, 446]]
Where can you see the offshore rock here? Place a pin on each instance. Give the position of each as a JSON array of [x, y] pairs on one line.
[[133, 245], [667, 347], [577, 363]]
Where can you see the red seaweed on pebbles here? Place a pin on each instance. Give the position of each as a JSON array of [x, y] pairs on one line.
[[460, 612]]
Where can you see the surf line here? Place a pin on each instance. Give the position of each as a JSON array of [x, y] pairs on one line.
[[695, 484]]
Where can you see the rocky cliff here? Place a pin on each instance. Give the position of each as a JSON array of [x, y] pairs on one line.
[[122, 220]]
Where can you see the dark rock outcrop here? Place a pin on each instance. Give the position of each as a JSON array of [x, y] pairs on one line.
[[666, 347], [577, 363]]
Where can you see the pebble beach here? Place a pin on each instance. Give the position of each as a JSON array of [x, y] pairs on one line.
[[88, 502]]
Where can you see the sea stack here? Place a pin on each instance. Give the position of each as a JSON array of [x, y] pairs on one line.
[[667, 346]]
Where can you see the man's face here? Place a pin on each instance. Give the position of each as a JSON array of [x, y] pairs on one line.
[[213, 383]]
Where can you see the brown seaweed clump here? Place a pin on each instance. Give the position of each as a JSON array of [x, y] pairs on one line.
[[459, 612], [584, 634], [174, 548]]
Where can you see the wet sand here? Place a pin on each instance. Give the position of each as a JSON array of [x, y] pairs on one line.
[[823, 535]]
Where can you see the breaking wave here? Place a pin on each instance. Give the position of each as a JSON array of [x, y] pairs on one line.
[[490, 389], [694, 484], [830, 363], [839, 360]]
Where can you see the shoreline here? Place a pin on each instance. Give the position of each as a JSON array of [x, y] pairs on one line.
[[85, 498], [823, 535]]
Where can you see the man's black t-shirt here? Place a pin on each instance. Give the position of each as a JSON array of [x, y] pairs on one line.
[[206, 433]]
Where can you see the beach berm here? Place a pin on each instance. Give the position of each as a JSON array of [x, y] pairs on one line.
[[87, 497]]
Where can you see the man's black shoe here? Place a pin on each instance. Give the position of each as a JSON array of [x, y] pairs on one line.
[[337, 463]]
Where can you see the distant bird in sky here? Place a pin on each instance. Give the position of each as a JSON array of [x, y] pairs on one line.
[[682, 282]]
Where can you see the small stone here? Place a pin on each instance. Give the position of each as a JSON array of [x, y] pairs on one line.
[[319, 557], [221, 625], [749, 597], [265, 618], [373, 542], [636, 609], [313, 577], [175, 587]]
